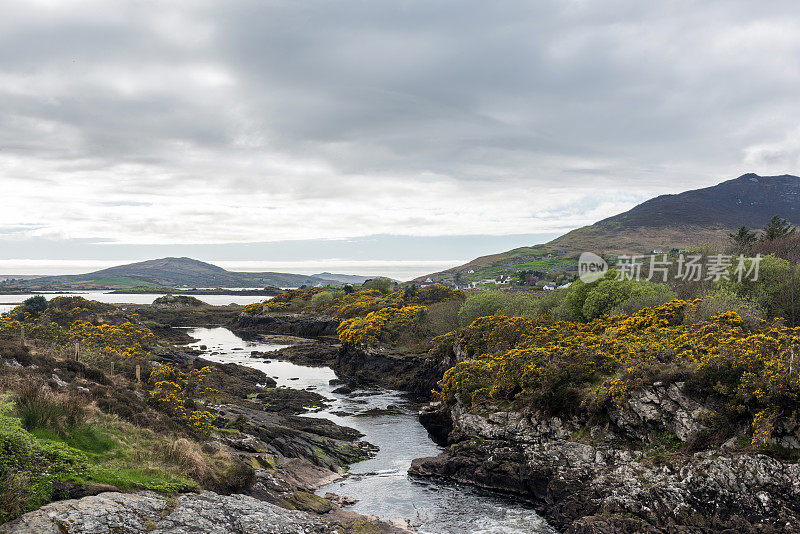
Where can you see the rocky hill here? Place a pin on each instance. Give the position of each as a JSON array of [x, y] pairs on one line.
[[701, 216], [176, 272]]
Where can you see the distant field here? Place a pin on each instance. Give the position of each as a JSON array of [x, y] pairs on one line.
[[548, 266], [124, 281]]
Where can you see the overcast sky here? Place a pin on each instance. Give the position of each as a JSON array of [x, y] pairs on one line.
[[373, 131]]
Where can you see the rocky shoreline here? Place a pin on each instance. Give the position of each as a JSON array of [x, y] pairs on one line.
[[654, 465], [249, 326], [589, 479], [313, 343], [207, 512], [583, 477], [282, 456]]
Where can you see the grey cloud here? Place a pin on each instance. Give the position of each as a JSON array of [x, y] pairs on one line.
[[353, 101]]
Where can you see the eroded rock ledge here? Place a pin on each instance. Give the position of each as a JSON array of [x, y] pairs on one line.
[[147, 512], [250, 326], [589, 480]]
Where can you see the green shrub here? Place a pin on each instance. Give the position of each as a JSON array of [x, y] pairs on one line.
[[442, 317], [381, 283], [481, 304], [776, 291], [323, 299], [608, 295], [35, 305], [720, 301], [651, 296]]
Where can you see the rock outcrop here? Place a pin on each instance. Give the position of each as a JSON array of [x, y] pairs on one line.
[[250, 326], [147, 512], [414, 373], [587, 479]]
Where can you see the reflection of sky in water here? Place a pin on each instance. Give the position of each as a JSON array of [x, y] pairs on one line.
[[381, 484], [233, 349], [8, 302]]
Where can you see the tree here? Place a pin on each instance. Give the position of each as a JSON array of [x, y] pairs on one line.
[[777, 228], [742, 240], [35, 305], [775, 291]]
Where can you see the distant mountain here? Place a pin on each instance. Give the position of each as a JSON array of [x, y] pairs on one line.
[[176, 272], [701, 216], [344, 278]]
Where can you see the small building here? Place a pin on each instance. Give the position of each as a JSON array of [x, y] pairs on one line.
[[548, 287]]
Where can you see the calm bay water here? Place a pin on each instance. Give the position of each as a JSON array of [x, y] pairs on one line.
[[388, 420]]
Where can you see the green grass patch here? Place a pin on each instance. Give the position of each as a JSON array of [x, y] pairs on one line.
[[133, 479], [103, 450], [29, 466]]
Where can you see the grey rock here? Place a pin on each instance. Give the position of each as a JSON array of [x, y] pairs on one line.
[[147, 512], [58, 381], [663, 408], [586, 480]]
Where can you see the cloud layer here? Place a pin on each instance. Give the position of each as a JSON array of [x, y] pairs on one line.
[[234, 122]]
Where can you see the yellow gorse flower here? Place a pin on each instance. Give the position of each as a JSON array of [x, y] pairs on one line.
[[599, 363]]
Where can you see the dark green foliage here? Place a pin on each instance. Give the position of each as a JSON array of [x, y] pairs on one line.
[[742, 240], [609, 295], [777, 228], [776, 291], [35, 305]]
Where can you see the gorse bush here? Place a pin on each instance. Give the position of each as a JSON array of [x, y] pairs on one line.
[[174, 391], [70, 320], [346, 305], [383, 326], [568, 367]]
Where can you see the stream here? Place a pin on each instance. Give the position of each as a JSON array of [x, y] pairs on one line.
[[389, 420]]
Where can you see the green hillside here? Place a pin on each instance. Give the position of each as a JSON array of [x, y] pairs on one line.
[[693, 218]]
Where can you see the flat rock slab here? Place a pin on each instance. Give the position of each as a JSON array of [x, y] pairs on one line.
[[148, 512]]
